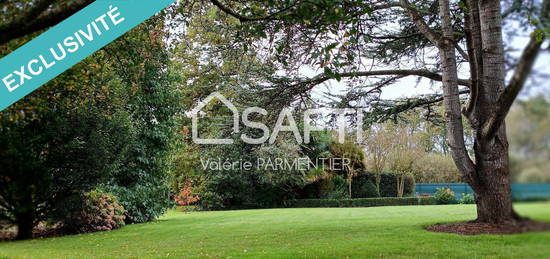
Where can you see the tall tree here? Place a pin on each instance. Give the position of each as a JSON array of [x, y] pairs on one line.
[[142, 64], [106, 122], [438, 39], [63, 139]]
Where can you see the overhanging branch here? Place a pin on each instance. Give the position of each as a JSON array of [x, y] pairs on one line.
[[39, 18], [382, 112], [402, 72], [516, 5], [417, 19], [33, 11], [305, 85], [243, 18]]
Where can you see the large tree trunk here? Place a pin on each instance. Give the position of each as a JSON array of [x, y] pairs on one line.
[[25, 217], [24, 230], [490, 175], [493, 188], [25, 226]]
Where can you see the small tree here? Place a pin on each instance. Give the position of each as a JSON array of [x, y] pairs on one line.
[[377, 146], [354, 160]]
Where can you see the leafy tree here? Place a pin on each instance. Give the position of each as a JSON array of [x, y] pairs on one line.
[[235, 71], [142, 63], [436, 168], [435, 38], [57, 142], [317, 149], [109, 121], [377, 149], [353, 154], [261, 185]]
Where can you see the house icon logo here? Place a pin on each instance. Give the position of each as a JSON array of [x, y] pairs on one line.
[[268, 134], [195, 119]]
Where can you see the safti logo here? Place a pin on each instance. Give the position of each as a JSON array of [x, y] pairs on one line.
[[286, 114], [195, 119]]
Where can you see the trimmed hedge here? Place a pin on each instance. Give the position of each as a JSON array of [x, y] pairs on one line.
[[365, 202]]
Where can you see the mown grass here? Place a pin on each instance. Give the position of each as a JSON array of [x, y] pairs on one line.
[[283, 233]]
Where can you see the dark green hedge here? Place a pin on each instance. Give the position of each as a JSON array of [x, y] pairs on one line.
[[366, 202], [362, 186]]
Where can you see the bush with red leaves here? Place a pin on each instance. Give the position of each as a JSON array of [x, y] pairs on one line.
[[98, 211], [185, 197]]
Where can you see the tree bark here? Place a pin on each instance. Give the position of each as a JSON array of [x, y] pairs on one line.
[[24, 231], [25, 216], [490, 175], [25, 226], [493, 188], [453, 116], [493, 191]]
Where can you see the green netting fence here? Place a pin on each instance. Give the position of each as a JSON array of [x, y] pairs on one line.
[[520, 191]]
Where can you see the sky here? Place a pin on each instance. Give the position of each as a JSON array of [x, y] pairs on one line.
[[410, 87]]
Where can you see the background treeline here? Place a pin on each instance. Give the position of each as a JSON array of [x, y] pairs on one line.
[[392, 158], [529, 129], [410, 146]]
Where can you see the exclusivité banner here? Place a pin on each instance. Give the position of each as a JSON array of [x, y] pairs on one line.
[[64, 45]]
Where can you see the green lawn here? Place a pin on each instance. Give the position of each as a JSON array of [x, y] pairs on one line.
[[326, 233]]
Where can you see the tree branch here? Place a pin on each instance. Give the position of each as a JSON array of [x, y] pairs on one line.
[[462, 52], [38, 19], [384, 6], [406, 105], [475, 52], [33, 11], [403, 72], [417, 19], [453, 115], [308, 84], [242, 18], [523, 69], [516, 5]]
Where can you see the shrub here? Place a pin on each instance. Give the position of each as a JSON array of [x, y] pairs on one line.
[[340, 188], [325, 187], [365, 202], [186, 197], [338, 194], [444, 196], [467, 199], [309, 191], [363, 187], [143, 202], [97, 211], [211, 201]]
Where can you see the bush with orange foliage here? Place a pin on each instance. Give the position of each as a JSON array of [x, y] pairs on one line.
[[185, 197]]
